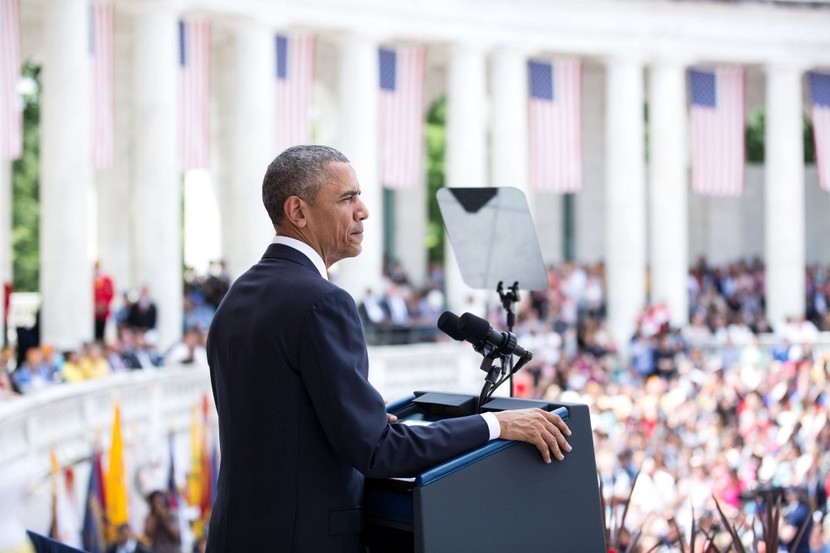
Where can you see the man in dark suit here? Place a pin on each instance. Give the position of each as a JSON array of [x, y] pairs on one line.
[[125, 542], [299, 423]]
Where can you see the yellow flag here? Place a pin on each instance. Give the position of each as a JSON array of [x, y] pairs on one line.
[[116, 480], [194, 478]]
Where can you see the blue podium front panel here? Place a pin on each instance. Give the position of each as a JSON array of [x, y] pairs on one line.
[[498, 497]]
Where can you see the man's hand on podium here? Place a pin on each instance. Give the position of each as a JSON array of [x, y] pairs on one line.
[[541, 428]]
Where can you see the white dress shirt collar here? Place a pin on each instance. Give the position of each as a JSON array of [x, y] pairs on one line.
[[304, 249]]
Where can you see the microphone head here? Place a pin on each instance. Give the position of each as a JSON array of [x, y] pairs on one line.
[[474, 328], [448, 324]]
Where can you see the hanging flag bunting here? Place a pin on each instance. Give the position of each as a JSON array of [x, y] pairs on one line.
[[401, 116], [820, 113], [194, 94], [294, 84], [11, 112], [717, 122], [555, 125], [101, 51]]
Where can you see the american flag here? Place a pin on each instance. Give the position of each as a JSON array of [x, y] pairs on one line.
[[401, 116], [555, 125], [194, 93], [820, 111], [11, 114], [294, 89], [101, 50], [717, 127]]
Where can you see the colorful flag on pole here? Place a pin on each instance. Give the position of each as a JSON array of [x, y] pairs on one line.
[[294, 78], [11, 112], [116, 480], [172, 488], [717, 122], [101, 51], [64, 527], [401, 116], [820, 112], [200, 492], [194, 94], [94, 508], [555, 125], [176, 501]]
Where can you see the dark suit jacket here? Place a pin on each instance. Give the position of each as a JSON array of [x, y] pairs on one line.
[[299, 423], [139, 548]]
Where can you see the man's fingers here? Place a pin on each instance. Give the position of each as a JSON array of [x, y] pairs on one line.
[[543, 429], [560, 424], [556, 442], [544, 448]]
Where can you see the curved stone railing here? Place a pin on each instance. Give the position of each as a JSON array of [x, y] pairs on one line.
[[71, 418]]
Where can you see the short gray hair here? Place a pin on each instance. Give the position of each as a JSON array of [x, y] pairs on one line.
[[298, 171]]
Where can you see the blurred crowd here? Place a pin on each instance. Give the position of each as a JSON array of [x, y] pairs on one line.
[[724, 408], [125, 336]]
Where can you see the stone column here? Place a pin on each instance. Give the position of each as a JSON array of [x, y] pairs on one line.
[[5, 238], [65, 176], [508, 137], [784, 200], [668, 200], [358, 139], [251, 123], [157, 184], [466, 153], [411, 229], [625, 231]]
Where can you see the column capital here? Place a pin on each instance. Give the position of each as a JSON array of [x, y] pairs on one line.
[[626, 57], [373, 37], [670, 61], [786, 65], [147, 7], [238, 23], [471, 45], [513, 51]]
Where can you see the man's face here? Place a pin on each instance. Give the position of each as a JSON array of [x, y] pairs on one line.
[[335, 220]]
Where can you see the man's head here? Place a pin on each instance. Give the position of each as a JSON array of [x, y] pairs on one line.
[[124, 533], [298, 171], [311, 193]]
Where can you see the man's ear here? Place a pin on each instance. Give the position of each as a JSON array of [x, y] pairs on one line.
[[294, 209]]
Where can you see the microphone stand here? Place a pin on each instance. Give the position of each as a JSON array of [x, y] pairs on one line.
[[492, 380], [509, 298]]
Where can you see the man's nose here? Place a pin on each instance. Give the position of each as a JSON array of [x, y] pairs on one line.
[[362, 212]]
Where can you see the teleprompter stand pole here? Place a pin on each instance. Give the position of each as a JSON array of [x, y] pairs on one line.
[[509, 297]]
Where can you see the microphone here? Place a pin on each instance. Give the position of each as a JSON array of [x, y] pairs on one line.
[[448, 324], [479, 333]]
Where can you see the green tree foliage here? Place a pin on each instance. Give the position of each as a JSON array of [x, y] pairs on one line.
[[755, 129], [436, 146], [25, 185]]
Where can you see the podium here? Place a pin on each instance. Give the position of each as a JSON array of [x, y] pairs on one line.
[[500, 496]]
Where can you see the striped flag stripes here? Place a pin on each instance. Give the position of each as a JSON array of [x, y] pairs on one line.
[[555, 125], [194, 94], [294, 87], [101, 51], [717, 122], [11, 114], [401, 116], [820, 113]]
